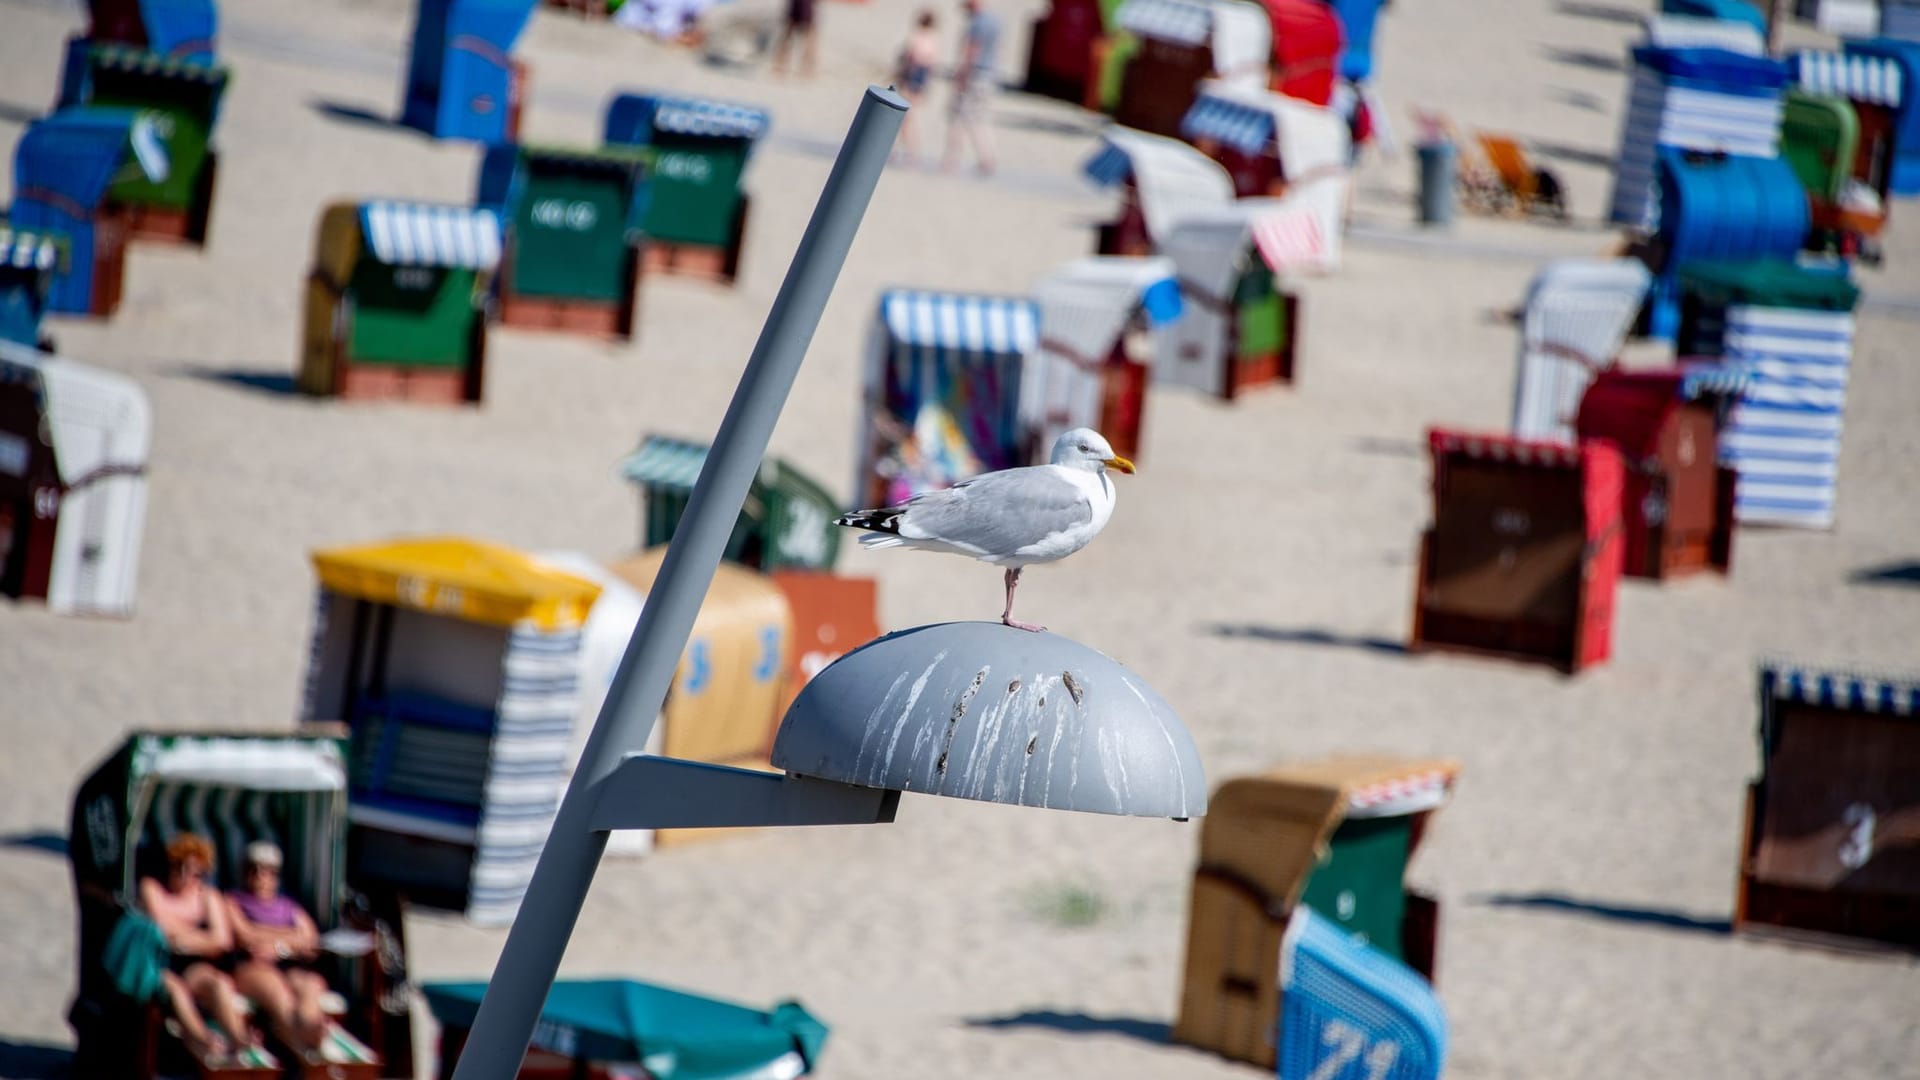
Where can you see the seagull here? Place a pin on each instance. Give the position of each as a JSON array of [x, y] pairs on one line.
[[1011, 518]]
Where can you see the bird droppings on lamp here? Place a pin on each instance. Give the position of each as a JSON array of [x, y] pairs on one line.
[[978, 710]]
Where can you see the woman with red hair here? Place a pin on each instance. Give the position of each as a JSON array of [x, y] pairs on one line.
[[193, 917]]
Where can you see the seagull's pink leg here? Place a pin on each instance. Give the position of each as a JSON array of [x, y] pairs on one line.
[[1006, 616]]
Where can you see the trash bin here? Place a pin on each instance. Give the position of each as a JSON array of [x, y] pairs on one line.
[[1436, 183]]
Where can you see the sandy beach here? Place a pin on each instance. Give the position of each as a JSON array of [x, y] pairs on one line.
[[1258, 572]]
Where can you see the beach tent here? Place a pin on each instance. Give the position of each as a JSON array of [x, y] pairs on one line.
[[29, 261], [1826, 847], [1736, 11], [1903, 170], [1357, 20], [611, 1028], [1716, 208], [1240, 327], [1061, 51], [1098, 319], [1161, 180], [1876, 87], [183, 99], [573, 219], [941, 392], [723, 705], [1709, 100], [786, 523], [696, 217], [832, 616], [176, 29], [455, 664], [73, 482], [1696, 32], [233, 790], [1266, 141], [63, 167], [1348, 1005], [1792, 328], [1524, 554], [1307, 38], [1576, 318], [1181, 43], [461, 81], [1334, 836], [396, 302], [1676, 504]]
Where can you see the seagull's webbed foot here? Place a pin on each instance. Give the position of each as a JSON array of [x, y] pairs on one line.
[[1018, 625]]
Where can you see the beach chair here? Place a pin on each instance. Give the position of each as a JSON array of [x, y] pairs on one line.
[[696, 218], [1576, 318], [1530, 189], [1350, 1010]]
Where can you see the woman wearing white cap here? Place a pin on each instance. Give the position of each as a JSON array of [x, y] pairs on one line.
[[277, 940]]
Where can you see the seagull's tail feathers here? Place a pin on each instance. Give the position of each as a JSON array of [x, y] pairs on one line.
[[881, 540], [885, 524]]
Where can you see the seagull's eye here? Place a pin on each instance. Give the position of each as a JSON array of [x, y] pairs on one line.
[[1085, 449]]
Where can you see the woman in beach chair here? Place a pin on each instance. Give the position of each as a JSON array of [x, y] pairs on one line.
[[278, 943], [189, 912]]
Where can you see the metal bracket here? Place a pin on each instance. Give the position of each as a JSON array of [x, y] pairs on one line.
[[649, 792]]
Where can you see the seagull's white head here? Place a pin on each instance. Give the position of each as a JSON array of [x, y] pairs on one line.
[[1085, 448]]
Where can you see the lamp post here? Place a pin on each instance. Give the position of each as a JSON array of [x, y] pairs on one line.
[[540, 931], [969, 710]]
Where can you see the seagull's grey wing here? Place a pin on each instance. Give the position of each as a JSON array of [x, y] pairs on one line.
[[998, 513]]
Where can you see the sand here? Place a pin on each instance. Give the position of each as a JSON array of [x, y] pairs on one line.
[[1258, 573]]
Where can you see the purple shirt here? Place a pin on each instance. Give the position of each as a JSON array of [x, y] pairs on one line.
[[279, 912]]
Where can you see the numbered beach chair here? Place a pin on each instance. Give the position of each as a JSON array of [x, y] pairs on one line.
[[941, 394], [182, 99], [1884, 55], [1791, 327], [696, 219], [1161, 180], [832, 615], [1576, 318], [29, 261], [1676, 506], [786, 523], [1876, 87], [1719, 208], [604, 1029], [1524, 555], [573, 221], [1350, 1012], [1333, 837], [1181, 43], [1099, 317], [1241, 325], [1829, 844], [233, 790], [1266, 141], [456, 666], [175, 29], [63, 167], [74, 442], [723, 705], [1707, 100], [1062, 52], [462, 81], [1307, 40], [396, 303]]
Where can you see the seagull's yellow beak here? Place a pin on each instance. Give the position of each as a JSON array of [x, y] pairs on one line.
[[1117, 462]]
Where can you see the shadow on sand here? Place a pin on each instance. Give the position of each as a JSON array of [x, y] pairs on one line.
[[1584, 58], [1639, 916], [1897, 573], [357, 114], [34, 1061], [1153, 1031], [265, 382], [1305, 635], [51, 843]]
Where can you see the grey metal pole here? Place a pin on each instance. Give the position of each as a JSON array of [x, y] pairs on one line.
[[538, 938]]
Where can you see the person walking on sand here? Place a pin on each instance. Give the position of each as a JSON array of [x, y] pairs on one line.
[[914, 72], [973, 82], [800, 19]]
